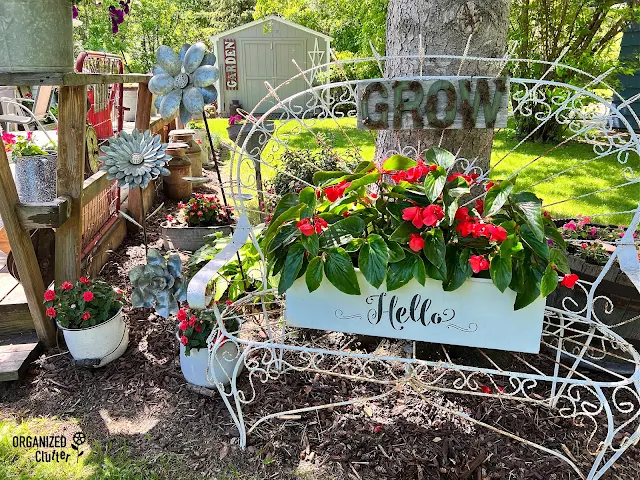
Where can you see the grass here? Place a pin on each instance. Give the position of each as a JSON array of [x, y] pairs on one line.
[[98, 462], [589, 174]]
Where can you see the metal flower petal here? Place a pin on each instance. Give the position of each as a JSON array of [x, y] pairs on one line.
[[183, 82], [135, 159]]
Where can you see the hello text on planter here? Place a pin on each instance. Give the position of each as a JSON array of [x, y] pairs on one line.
[[433, 103]]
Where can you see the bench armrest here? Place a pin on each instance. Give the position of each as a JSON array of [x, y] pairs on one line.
[[197, 289]]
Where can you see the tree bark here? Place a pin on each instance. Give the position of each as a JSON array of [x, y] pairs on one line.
[[445, 26]]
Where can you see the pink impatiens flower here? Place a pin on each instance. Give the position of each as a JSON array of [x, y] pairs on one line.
[[570, 225]]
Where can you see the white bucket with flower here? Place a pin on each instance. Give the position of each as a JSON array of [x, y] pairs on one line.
[[199, 366], [89, 314]]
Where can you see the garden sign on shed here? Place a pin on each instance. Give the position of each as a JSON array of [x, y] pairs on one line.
[[261, 51]]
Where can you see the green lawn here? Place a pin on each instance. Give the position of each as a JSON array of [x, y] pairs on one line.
[[594, 175], [106, 461]]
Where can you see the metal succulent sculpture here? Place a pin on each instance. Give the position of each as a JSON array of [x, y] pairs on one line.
[[135, 159], [184, 81], [159, 284]]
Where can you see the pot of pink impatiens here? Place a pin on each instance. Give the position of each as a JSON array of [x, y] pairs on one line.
[[418, 257], [89, 314], [199, 365]]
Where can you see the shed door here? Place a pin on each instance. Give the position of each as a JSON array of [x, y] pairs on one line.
[[258, 66], [284, 51], [271, 61]]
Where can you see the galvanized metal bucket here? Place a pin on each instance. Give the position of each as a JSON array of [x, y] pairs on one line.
[[36, 36], [36, 177]]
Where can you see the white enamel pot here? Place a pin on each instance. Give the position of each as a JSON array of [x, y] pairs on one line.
[[194, 366], [98, 345]]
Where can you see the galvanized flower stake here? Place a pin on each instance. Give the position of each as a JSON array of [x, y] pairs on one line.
[[135, 159], [184, 81]]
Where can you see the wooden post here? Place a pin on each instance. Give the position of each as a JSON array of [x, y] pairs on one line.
[[71, 152], [143, 120], [23, 253]]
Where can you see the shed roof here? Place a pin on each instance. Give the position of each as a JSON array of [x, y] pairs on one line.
[[267, 19]]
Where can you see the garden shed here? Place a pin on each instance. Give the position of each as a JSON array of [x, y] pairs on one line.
[[261, 51]]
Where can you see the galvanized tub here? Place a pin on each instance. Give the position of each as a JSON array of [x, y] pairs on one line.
[[36, 36]]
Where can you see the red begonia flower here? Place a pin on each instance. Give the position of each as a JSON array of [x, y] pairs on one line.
[[305, 227], [488, 186], [432, 214], [51, 312], [66, 286], [184, 340], [414, 215], [497, 233], [480, 206], [49, 295], [182, 315], [84, 280], [192, 320], [466, 228], [416, 242], [485, 389], [334, 192], [478, 263], [462, 214], [87, 296], [320, 224], [86, 316], [569, 280]]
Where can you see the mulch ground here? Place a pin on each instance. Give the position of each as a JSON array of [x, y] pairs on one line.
[[143, 400]]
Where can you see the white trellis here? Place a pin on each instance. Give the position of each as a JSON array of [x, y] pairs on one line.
[[573, 374]]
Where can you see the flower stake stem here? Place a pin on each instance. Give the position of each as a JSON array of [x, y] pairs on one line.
[[215, 160], [144, 221]]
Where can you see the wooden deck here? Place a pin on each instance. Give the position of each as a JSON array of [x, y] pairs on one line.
[[19, 344], [14, 311]]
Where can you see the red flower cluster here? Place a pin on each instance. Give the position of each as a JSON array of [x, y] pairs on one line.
[[307, 228], [51, 312], [334, 192], [427, 216], [413, 174], [478, 263], [49, 295], [469, 178], [476, 228], [569, 280], [66, 286], [87, 296]]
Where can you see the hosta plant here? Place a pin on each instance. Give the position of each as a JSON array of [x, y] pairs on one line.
[[423, 222], [84, 304], [159, 284]]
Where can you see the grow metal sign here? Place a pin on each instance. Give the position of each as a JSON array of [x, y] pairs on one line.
[[230, 64], [433, 102]]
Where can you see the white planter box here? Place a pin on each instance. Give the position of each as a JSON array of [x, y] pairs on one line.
[[475, 315], [98, 345]]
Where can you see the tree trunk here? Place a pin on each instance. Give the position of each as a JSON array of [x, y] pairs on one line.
[[445, 26]]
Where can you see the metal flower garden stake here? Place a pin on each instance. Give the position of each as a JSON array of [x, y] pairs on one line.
[[134, 160], [183, 83]]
